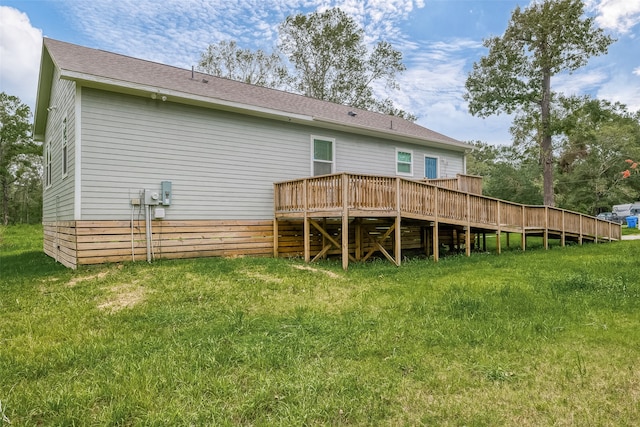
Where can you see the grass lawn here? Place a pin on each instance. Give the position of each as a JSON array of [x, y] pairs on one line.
[[521, 339]]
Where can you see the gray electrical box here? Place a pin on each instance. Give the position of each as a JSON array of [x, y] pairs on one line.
[[151, 197], [166, 193]]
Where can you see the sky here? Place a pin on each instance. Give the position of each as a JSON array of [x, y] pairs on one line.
[[440, 40]]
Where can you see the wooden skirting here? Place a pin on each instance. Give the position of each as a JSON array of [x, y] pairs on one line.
[[74, 243]]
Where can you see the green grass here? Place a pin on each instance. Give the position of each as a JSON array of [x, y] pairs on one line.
[[626, 230], [535, 338]]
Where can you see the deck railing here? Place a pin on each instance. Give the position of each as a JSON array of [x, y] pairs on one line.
[[465, 183], [365, 194]]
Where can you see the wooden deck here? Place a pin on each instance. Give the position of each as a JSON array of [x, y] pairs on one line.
[[350, 198]]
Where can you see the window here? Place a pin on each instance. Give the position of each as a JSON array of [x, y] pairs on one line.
[[65, 156], [47, 165], [323, 156], [430, 167], [404, 162]]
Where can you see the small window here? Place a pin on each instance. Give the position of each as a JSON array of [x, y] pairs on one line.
[[430, 167], [65, 156], [404, 162], [323, 156], [47, 165]]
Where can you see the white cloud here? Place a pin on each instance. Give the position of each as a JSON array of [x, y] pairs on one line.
[[177, 31], [637, 71], [617, 15], [20, 47], [433, 87], [622, 88], [579, 83]]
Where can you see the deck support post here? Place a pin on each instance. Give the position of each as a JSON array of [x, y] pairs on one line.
[[358, 232], [345, 221], [508, 240], [545, 235], [398, 233], [305, 227], [498, 220], [467, 235], [563, 236], [398, 241], [427, 239], [467, 241], [436, 241], [524, 232]]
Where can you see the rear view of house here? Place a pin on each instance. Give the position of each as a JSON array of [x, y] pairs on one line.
[[147, 160]]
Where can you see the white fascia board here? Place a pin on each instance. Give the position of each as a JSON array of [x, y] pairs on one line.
[[177, 96]]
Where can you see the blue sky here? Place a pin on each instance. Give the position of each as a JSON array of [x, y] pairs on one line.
[[440, 41]]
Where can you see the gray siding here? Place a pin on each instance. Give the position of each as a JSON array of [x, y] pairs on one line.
[[222, 165], [58, 199]]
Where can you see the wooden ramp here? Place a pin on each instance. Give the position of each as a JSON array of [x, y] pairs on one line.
[[353, 200]]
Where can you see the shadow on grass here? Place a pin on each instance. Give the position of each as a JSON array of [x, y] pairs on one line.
[[27, 265]]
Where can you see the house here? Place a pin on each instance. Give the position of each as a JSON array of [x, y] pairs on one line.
[[146, 160]]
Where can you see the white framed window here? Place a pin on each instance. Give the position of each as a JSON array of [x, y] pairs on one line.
[[47, 165], [431, 166], [65, 149], [404, 162], [323, 155]]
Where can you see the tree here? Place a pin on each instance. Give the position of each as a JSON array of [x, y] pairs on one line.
[[599, 136], [332, 63], [16, 146], [227, 60], [540, 41], [509, 173]]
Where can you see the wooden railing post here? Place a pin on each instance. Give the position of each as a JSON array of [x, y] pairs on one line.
[[580, 236]]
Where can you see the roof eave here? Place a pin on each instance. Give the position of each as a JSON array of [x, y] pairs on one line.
[[45, 82], [99, 82], [156, 92], [391, 134]]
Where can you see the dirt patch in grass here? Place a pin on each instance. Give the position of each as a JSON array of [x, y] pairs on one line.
[[331, 274], [123, 296], [71, 283], [266, 278]]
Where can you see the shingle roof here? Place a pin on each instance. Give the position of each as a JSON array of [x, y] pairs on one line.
[[74, 60]]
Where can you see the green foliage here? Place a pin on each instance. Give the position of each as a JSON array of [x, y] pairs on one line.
[[19, 156], [332, 63], [551, 335], [547, 38], [599, 137], [508, 173], [227, 60]]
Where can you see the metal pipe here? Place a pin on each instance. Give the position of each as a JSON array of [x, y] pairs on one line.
[[147, 221]]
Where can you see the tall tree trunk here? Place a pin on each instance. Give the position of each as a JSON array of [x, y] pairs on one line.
[[545, 141], [4, 187]]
